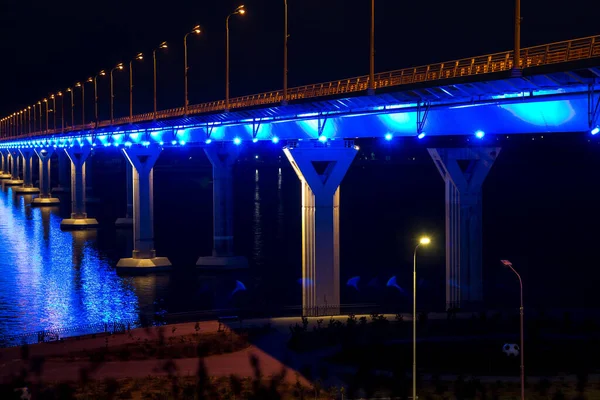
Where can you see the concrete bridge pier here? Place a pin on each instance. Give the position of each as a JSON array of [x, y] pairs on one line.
[[463, 171], [142, 160], [4, 169], [222, 157], [15, 179], [64, 173], [44, 199], [27, 157], [79, 219], [321, 168], [127, 222]]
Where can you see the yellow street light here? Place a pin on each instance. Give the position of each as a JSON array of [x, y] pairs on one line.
[[240, 10], [196, 30], [138, 57], [163, 45], [422, 241], [119, 67], [82, 86]]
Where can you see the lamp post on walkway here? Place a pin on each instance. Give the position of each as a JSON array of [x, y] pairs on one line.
[[119, 66], [81, 85], [62, 112], [40, 104], [508, 264], [163, 45], [195, 30], [285, 53], [240, 10], [517, 51], [29, 117], [94, 80], [371, 89], [53, 98], [46, 102], [72, 108], [139, 56], [423, 241]]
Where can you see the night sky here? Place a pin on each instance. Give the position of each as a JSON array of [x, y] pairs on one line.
[[46, 46]]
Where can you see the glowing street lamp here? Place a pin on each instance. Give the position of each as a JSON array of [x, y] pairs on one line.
[[62, 112], [240, 10], [53, 98], [119, 66], [40, 104], [82, 86], [72, 107], [139, 57], [46, 102], [29, 117], [423, 241], [163, 45], [94, 80], [508, 264], [195, 30]]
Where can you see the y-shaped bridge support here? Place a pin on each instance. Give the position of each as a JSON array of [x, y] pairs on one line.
[[4, 169], [79, 219], [463, 171], [222, 157], [27, 154], [144, 258], [321, 168], [44, 199], [14, 180]]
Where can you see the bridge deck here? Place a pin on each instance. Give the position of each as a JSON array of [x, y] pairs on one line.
[[476, 68]]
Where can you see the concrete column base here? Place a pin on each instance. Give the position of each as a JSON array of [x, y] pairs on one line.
[[124, 223], [143, 265], [223, 262], [12, 182], [72, 224], [5, 176], [26, 190], [46, 201], [60, 189]]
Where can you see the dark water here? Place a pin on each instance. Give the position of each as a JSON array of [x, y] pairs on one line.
[[540, 211]]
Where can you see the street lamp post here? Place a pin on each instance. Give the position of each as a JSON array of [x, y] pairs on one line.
[[371, 89], [40, 104], [163, 45], [517, 54], [53, 98], [285, 53], [94, 80], [46, 101], [119, 66], [62, 112], [422, 241], [508, 264], [71, 90], [29, 118], [81, 85], [140, 57], [240, 10], [196, 30]]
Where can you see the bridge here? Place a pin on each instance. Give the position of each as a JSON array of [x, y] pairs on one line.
[[552, 90]]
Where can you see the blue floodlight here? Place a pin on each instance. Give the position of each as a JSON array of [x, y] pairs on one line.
[[237, 141], [421, 135], [161, 143], [173, 142], [128, 143], [275, 139], [595, 131], [479, 134], [255, 140], [146, 143], [322, 138], [388, 136], [182, 142]]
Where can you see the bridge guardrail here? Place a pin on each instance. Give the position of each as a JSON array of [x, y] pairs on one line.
[[552, 53]]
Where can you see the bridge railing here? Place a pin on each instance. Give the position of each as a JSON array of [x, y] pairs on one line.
[[552, 53]]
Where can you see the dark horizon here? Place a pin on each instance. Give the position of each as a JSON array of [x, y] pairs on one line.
[[52, 46]]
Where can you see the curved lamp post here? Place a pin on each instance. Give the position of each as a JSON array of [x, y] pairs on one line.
[[508, 264], [139, 57], [82, 86], [119, 67], [195, 30], [240, 10], [163, 45], [70, 90], [94, 80], [62, 111], [46, 102], [423, 241]]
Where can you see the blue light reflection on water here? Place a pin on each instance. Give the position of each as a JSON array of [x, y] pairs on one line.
[[51, 278]]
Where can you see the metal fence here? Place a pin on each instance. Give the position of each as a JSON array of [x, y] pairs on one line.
[[547, 54], [53, 335]]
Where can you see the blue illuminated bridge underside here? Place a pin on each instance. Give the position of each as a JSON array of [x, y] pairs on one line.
[[554, 98]]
